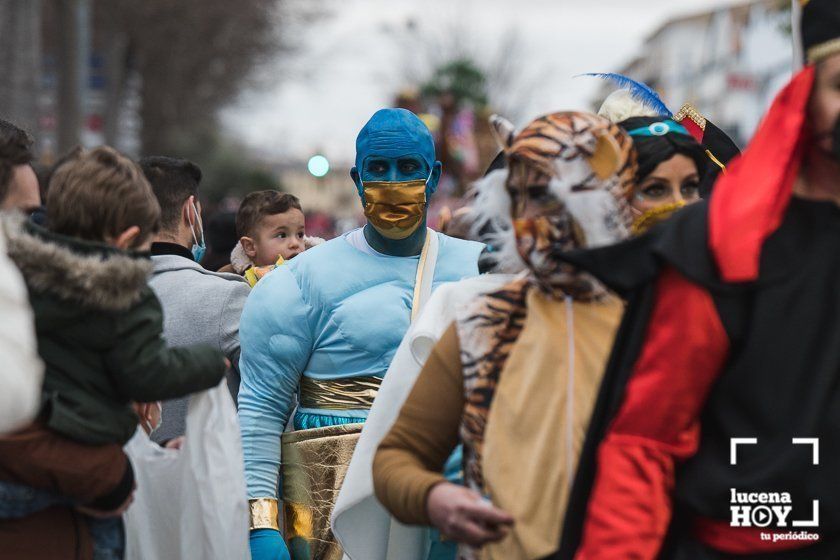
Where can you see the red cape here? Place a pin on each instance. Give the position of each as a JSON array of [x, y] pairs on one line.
[[748, 203]]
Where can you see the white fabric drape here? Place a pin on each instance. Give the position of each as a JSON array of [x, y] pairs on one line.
[[364, 528], [191, 503]]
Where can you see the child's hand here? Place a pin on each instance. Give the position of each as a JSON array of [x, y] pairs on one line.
[[149, 414], [175, 443]]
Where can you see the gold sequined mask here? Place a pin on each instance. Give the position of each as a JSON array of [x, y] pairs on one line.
[[650, 218], [395, 208]]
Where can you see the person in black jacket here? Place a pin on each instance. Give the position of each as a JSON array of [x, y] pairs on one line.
[[98, 324], [715, 432]]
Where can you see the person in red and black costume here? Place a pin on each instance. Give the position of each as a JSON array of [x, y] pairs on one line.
[[732, 330]]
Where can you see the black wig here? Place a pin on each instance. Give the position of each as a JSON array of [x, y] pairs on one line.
[[654, 150]]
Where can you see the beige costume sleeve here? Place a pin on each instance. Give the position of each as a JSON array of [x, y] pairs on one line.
[[410, 459]]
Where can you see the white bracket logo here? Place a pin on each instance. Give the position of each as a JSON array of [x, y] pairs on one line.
[[733, 447], [746, 514]]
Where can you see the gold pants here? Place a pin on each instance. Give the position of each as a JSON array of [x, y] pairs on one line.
[[314, 463]]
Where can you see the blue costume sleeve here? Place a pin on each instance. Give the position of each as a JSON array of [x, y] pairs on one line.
[[276, 342]]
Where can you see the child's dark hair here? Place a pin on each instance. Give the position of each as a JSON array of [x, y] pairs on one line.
[[653, 150], [15, 149], [258, 205]]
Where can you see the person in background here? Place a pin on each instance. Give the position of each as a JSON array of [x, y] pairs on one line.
[[221, 240], [325, 326], [19, 188], [671, 164], [56, 487], [272, 230], [514, 376], [22, 370], [39, 458], [199, 306], [679, 156], [363, 526], [99, 329]]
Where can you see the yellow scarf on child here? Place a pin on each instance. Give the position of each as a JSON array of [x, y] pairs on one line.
[[256, 273]]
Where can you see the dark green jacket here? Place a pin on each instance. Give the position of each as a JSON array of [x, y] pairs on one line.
[[99, 330]]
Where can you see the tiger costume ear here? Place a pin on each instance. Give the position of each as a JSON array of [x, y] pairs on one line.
[[503, 131], [606, 159]]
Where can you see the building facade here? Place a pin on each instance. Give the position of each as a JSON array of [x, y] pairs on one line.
[[729, 63]]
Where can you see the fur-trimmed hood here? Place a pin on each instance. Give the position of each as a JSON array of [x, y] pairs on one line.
[[93, 275], [239, 260]]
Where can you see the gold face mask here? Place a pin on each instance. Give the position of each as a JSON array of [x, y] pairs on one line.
[[650, 218], [395, 208]]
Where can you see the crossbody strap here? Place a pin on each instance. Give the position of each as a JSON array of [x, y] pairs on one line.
[[425, 273]]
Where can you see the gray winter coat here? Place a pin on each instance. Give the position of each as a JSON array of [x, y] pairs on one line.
[[199, 306]]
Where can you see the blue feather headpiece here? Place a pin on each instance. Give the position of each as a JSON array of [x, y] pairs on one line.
[[640, 92]]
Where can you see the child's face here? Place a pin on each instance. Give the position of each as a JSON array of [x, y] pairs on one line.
[[276, 235]]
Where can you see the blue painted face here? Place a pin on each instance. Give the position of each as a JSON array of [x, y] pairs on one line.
[[395, 146], [405, 168]]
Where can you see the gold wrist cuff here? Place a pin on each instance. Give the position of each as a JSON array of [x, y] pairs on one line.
[[264, 513]]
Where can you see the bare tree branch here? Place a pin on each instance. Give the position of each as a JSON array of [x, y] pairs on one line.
[[194, 56]]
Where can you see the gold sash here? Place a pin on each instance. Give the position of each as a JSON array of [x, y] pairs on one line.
[[314, 465], [353, 393]]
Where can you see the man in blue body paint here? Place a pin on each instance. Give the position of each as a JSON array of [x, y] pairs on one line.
[[325, 327]]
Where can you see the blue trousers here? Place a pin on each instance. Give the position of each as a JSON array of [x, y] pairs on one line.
[[17, 500]]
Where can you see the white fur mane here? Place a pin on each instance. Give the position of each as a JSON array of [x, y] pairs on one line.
[[491, 207], [621, 105]]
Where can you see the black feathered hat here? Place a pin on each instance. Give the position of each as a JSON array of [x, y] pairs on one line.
[[720, 148], [820, 29]]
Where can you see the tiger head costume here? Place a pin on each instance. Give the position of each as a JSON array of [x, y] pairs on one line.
[[569, 177], [566, 186]]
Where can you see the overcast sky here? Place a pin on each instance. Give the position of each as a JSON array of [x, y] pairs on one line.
[[350, 61]]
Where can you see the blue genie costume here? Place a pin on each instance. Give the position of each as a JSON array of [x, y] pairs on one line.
[[320, 332]]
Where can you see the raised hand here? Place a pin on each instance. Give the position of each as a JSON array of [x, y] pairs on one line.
[[463, 516]]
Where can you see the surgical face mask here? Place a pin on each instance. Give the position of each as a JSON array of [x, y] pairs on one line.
[[198, 248], [395, 208]]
